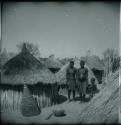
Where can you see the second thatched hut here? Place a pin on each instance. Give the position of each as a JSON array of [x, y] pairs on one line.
[[52, 64], [97, 67]]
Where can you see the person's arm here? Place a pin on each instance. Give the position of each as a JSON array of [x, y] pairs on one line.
[[87, 73], [77, 76], [87, 77], [67, 74]]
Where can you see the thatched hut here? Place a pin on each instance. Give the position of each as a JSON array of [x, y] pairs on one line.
[[61, 75], [52, 64], [25, 69], [96, 66]]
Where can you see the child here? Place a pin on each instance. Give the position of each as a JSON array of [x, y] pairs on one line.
[[93, 87]]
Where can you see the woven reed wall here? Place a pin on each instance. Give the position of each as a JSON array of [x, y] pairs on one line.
[[11, 99]]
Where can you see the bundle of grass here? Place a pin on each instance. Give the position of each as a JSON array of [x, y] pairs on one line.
[[61, 75], [53, 64], [25, 69], [29, 105], [96, 66]]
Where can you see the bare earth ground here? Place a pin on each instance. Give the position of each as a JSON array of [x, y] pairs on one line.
[[103, 108]]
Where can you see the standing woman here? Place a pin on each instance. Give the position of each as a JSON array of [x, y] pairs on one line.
[[71, 79], [82, 79]]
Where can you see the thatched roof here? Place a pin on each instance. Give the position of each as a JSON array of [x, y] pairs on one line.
[[25, 69], [52, 63], [42, 60], [61, 75], [93, 62]]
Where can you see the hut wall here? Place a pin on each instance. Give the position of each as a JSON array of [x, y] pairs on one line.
[[11, 98]]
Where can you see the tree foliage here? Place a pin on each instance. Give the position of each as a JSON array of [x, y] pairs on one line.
[[33, 49], [3, 57], [111, 60]]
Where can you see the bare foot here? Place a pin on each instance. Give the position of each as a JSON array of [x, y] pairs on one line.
[[68, 100]]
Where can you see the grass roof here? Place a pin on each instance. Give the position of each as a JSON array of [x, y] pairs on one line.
[[25, 69], [61, 75], [52, 63], [93, 62]]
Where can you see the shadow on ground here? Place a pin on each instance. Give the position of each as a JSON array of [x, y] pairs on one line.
[[60, 99], [87, 99]]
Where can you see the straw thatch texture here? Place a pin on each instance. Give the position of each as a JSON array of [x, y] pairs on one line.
[[104, 107], [53, 63], [61, 75], [25, 69], [29, 77], [93, 62]]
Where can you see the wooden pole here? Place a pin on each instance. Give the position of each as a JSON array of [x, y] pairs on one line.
[[10, 100], [5, 101], [1, 100], [41, 100], [44, 99], [16, 100], [48, 117], [19, 101]]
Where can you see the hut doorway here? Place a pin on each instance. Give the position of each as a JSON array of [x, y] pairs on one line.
[[54, 70], [98, 74]]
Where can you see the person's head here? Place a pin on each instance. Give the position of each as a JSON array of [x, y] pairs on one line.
[[71, 64], [82, 63], [93, 80]]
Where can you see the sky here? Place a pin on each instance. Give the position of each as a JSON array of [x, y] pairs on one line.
[[66, 29]]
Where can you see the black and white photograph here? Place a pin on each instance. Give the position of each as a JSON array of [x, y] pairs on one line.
[[60, 62]]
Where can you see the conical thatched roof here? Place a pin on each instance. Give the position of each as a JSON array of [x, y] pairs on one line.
[[61, 75], [25, 69], [93, 62], [52, 63]]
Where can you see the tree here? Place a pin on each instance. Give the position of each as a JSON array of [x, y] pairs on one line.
[[3, 57], [116, 63], [88, 53], [33, 49], [111, 60]]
